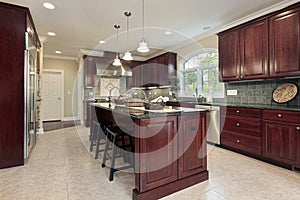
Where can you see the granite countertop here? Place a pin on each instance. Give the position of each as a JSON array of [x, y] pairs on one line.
[[141, 112], [259, 106]]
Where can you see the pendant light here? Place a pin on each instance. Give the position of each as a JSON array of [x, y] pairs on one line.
[[117, 61], [127, 55], [143, 48]]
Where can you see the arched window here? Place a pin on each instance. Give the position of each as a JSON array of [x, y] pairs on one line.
[[200, 75]]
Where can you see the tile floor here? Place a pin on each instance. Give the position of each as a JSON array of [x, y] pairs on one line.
[[61, 168]]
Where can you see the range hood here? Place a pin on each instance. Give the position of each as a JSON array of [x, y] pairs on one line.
[[106, 69]]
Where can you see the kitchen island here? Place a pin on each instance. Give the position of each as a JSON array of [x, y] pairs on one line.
[[170, 146]]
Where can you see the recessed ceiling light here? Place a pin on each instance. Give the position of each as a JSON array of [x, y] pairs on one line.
[[49, 5], [58, 52], [205, 28], [168, 33], [51, 34], [102, 42]]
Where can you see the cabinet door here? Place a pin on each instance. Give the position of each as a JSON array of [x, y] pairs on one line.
[[89, 72], [157, 152], [254, 50], [285, 44], [280, 141], [229, 56], [192, 144]]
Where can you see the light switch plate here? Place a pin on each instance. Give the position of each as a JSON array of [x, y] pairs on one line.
[[231, 92]]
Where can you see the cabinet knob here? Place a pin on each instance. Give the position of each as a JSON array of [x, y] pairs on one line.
[[237, 77], [298, 128], [242, 76], [237, 111], [238, 141], [237, 124], [279, 115]]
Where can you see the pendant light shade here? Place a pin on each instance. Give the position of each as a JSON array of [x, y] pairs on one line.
[[143, 46], [127, 55], [117, 61]]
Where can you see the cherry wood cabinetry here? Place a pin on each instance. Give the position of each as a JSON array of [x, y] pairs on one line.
[[14, 21], [285, 43], [192, 145], [244, 52], [281, 136], [89, 71], [156, 70], [241, 129], [267, 47]]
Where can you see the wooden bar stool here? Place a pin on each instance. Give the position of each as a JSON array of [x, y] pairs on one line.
[[118, 138]]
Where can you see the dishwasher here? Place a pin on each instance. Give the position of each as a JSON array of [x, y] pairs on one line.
[[212, 123]]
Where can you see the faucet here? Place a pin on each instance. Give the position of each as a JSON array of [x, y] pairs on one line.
[[111, 89]]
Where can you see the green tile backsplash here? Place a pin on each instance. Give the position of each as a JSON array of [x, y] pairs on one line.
[[257, 92]]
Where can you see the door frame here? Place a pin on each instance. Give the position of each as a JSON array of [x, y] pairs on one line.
[[45, 71]]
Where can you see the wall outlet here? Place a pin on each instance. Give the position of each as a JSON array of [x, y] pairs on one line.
[[231, 92]]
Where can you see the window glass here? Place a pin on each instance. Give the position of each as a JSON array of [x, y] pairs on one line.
[[200, 76]]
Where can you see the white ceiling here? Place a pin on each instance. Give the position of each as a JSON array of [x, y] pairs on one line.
[[81, 24]]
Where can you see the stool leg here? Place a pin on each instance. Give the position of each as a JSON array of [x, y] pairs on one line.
[[98, 142], [112, 167], [105, 151], [92, 136]]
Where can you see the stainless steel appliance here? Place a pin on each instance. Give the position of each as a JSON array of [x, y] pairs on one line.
[[30, 103], [212, 122]]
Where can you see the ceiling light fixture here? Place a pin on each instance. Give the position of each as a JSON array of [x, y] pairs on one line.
[[168, 33], [51, 34], [49, 6], [117, 61], [143, 46], [102, 42], [127, 55], [58, 52]]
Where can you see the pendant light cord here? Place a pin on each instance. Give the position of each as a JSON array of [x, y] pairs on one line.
[[127, 27], [143, 20]]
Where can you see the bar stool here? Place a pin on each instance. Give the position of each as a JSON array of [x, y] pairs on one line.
[[118, 141], [98, 132]]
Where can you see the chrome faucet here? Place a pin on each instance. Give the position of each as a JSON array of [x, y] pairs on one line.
[[111, 89]]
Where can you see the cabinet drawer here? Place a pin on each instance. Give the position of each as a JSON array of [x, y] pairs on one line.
[[241, 142], [243, 112], [251, 126], [280, 115]]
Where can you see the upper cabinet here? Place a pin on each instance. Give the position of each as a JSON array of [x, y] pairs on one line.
[[155, 71], [244, 52], [267, 47], [285, 43]]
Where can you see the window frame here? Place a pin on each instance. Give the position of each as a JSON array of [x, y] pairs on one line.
[[199, 70]]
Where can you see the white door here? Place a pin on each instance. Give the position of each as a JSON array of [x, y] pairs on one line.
[[52, 100]]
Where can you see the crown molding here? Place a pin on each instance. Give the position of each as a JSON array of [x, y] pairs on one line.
[[60, 57]]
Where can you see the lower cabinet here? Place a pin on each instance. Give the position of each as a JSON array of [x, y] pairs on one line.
[[281, 136], [242, 142], [192, 145], [241, 129], [273, 135], [173, 149]]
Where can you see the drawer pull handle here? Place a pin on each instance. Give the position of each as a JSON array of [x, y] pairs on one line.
[[279, 115], [298, 128], [238, 141], [237, 124], [237, 111]]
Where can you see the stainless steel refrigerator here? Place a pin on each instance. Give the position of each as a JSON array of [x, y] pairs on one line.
[[30, 103]]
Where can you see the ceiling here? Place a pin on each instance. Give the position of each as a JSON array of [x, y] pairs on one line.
[[82, 24]]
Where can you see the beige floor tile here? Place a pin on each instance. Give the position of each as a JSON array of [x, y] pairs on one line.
[[62, 168]]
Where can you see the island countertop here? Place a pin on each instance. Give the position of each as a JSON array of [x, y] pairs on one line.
[[141, 112]]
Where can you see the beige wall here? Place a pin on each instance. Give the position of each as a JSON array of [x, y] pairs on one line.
[[70, 68]]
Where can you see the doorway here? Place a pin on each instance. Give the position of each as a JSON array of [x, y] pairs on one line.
[[53, 97]]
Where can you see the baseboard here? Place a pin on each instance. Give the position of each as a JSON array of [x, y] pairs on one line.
[[40, 131], [70, 118]]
